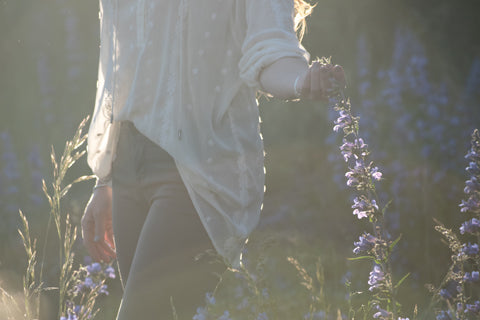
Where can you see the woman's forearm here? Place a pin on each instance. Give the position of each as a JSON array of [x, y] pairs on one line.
[[278, 79], [293, 78]]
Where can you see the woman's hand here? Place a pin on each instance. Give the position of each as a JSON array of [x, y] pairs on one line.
[[319, 80], [97, 230], [293, 78]]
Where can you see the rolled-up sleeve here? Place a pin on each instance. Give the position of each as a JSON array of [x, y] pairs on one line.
[[270, 36]]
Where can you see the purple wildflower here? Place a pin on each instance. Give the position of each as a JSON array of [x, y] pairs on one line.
[[472, 185], [225, 316], [94, 268], [470, 249], [470, 226], [473, 276], [104, 290], [444, 315], [364, 207], [77, 309], [376, 278], [89, 283], [343, 122], [473, 168], [358, 149], [201, 314], [110, 272], [377, 175], [360, 176], [365, 243], [210, 298], [460, 307], [70, 316], [445, 294], [472, 205], [473, 308], [381, 313], [473, 155]]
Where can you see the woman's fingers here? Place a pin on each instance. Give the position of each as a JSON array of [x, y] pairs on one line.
[[103, 242], [97, 236], [107, 253], [316, 81], [339, 76], [109, 232], [97, 230], [88, 234], [99, 226], [320, 80]]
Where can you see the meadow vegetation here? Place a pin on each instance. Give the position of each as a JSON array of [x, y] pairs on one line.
[[336, 201]]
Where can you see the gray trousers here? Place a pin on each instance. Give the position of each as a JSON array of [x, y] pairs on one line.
[[157, 233]]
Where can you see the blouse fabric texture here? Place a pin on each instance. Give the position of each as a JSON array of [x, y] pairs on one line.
[[185, 72]]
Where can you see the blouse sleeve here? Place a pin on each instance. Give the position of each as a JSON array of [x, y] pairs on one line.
[[270, 36]]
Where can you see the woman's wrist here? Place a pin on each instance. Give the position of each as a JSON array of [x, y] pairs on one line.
[[103, 182], [284, 78]]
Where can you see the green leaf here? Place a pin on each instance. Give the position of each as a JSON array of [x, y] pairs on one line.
[[401, 280], [394, 243], [386, 207], [361, 258]]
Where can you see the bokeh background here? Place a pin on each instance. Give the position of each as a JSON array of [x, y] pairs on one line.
[[413, 72]]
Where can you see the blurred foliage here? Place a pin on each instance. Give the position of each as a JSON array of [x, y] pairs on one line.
[[48, 66]]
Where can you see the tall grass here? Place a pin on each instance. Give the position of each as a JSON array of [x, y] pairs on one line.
[[76, 288]]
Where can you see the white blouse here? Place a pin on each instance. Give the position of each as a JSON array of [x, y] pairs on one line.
[[185, 72]]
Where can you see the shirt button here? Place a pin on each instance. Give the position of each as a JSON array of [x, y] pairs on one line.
[[179, 134], [213, 16], [195, 70]]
